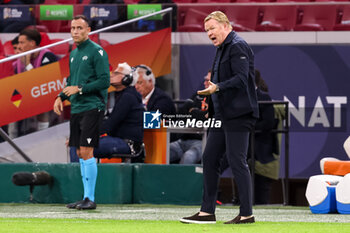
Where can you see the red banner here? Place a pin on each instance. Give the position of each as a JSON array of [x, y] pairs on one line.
[[33, 92]]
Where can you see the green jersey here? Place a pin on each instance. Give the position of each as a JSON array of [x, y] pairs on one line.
[[89, 69]]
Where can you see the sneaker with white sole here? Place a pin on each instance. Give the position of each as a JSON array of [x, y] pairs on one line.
[[207, 219]]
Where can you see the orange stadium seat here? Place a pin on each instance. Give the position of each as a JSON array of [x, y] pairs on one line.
[[343, 19], [277, 18], [316, 18]]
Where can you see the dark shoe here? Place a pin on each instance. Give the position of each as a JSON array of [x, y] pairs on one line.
[[237, 220], [86, 205], [74, 204], [208, 219]]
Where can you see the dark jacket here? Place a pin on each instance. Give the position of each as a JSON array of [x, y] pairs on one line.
[[161, 101], [237, 95], [265, 141], [126, 119]]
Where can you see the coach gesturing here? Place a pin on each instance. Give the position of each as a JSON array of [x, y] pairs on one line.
[[234, 102]]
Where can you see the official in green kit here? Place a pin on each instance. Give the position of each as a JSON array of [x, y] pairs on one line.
[[87, 91]]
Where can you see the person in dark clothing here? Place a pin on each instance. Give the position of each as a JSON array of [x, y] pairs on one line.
[[234, 100], [265, 144], [30, 39], [122, 128], [266, 148], [188, 148], [153, 98]]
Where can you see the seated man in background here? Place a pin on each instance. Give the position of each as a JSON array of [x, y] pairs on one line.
[[188, 149], [122, 128], [265, 145], [30, 39], [153, 97], [15, 45]]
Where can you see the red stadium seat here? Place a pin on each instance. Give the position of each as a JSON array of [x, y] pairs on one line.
[[184, 1], [6, 68], [277, 18], [39, 28], [61, 2], [61, 49], [45, 40], [104, 43], [316, 18], [214, 1], [191, 17], [262, 1], [2, 52], [51, 25], [243, 17], [8, 48], [131, 1], [65, 27], [46, 25], [193, 21], [343, 19], [295, 0], [332, 0]]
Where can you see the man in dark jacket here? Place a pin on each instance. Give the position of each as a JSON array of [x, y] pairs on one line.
[[152, 97], [122, 129], [266, 144], [233, 95]]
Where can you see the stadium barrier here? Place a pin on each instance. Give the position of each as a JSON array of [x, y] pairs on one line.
[[116, 184]]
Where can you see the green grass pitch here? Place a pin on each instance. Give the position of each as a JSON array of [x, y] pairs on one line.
[[37, 218]]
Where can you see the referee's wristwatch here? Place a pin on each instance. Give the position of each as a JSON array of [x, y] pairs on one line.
[[80, 89]]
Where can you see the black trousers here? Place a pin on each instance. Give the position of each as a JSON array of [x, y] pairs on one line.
[[233, 139]]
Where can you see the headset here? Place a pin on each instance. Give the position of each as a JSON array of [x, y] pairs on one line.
[[127, 79], [148, 71]]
